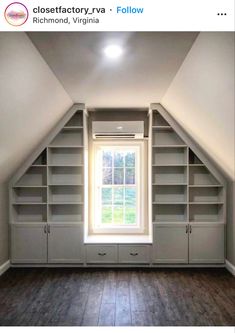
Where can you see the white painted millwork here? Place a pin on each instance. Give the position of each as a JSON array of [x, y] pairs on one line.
[[65, 244], [206, 243], [49, 202], [230, 267], [170, 243], [133, 254], [29, 243], [47, 194], [4, 267], [188, 198], [101, 254]]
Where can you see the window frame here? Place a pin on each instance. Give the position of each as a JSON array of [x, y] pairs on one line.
[[139, 228]]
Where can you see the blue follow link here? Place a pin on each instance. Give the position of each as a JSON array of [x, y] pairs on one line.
[[129, 10]]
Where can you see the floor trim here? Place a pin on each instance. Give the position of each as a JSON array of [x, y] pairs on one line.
[[155, 266], [230, 267], [4, 267]]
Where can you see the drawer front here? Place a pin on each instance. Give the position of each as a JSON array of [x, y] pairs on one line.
[[99, 254], [133, 254]]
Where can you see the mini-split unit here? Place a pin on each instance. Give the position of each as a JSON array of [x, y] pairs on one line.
[[118, 129]]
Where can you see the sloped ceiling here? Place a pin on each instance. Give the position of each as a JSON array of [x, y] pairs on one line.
[[201, 97], [141, 76]]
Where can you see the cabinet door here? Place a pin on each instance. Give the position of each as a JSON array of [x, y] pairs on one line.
[[28, 243], [65, 243], [170, 243], [206, 243]]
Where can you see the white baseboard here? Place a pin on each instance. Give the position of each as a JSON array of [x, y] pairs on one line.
[[4, 267], [230, 267]]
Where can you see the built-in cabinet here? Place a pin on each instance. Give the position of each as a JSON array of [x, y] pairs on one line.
[[188, 202], [29, 243], [65, 244], [49, 203], [188, 243]]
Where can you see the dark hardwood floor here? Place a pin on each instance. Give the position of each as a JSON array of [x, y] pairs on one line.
[[149, 297]]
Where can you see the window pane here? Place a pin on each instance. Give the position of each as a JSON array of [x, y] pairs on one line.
[[107, 215], [130, 197], [118, 196], [118, 160], [118, 176], [106, 196], [130, 159], [107, 158], [130, 217], [118, 215], [130, 175], [107, 176]]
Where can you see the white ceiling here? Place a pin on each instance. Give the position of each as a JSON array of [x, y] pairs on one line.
[[140, 77]]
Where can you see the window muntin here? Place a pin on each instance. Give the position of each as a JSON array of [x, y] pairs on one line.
[[117, 187]]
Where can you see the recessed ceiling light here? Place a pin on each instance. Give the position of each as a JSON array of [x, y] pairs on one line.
[[113, 51]]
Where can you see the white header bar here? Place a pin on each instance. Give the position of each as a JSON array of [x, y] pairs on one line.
[[117, 15]]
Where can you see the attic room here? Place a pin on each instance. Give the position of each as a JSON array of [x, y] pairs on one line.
[[117, 179]]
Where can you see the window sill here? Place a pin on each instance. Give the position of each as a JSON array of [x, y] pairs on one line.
[[118, 239]]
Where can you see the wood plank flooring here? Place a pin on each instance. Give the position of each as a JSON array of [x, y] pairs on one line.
[[116, 297]]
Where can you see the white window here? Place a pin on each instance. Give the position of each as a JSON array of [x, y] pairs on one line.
[[118, 187]]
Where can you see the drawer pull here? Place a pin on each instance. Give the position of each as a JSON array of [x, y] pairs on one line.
[[102, 254], [134, 254]]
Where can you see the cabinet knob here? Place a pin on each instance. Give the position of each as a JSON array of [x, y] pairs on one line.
[[134, 254], [102, 254], [45, 229], [186, 229], [190, 229]]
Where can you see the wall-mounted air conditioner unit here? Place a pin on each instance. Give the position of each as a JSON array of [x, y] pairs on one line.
[[118, 129]]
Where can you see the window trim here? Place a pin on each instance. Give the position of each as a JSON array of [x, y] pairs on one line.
[[140, 228]]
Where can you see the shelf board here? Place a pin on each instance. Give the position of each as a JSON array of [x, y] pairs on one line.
[[65, 184], [39, 165], [162, 127], [196, 165], [61, 146], [168, 146], [64, 222], [206, 203], [29, 203], [206, 222], [171, 165], [66, 203], [72, 127], [30, 186], [205, 185], [169, 184], [66, 165], [170, 222], [30, 221], [169, 203]]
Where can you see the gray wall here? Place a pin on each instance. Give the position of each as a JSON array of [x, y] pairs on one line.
[[201, 99], [31, 101]]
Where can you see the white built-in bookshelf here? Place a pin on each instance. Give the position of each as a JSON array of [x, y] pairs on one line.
[[49, 201], [183, 189], [52, 188]]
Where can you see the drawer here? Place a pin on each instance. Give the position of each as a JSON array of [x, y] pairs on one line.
[[133, 254], [99, 254]]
